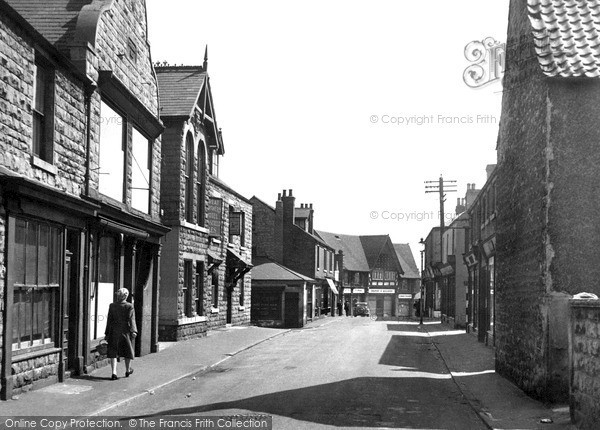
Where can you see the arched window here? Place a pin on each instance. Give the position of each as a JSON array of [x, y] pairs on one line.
[[201, 184], [189, 178]]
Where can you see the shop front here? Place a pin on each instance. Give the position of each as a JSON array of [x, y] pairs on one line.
[[382, 302]]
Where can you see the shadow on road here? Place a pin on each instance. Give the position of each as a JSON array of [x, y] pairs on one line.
[[359, 402]]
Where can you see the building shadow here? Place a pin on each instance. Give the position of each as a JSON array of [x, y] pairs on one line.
[[357, 402]]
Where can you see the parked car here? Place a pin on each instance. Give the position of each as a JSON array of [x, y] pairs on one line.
[[361, 309]]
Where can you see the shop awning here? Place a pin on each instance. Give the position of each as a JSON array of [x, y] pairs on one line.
[[332, 286], [417, 296]]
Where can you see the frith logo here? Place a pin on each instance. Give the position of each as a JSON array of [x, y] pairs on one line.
[[487, 58]]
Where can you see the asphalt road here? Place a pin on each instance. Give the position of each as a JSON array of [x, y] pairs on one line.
[[348, 372]]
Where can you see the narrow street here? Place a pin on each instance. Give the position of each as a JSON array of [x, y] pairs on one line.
[[348, 372]]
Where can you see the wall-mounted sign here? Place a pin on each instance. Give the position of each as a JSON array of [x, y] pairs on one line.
[[214, 216], [404, 296], [381, 291], [358, 291]]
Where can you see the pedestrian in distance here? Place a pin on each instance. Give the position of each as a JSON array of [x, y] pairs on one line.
[[339, 308], [347, 308], [121, 331]]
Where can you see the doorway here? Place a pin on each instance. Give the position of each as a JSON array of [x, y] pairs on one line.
[[71, 304]]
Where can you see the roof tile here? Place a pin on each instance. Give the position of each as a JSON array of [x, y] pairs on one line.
[[566, 36], [179, 88]]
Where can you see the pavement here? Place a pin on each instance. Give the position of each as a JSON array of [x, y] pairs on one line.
[[498, 402], [96, 394]]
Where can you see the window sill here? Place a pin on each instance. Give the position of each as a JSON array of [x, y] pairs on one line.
[[241, 308], [214, 310], [43, 165], [33, 352], [193, 227], [214, 240], [191, 320]]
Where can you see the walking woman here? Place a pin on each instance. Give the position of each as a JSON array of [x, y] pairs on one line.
[[120, 332]]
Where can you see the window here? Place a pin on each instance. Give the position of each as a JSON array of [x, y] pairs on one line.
[[318, 257], [214, 163], [199, 298], [187, 287], [357, 278], [214, 216], [104, 285], [236, 225], [112, 152], [215, 289], [140, 175], [37, 260], [378, 274], [189, 179], [132, 51], [43, 106], [200, 185]]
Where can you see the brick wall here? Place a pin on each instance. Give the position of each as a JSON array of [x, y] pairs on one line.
[[585, 363], [263, 229]]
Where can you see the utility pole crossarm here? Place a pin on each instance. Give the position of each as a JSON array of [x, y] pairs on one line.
[[442, 187]]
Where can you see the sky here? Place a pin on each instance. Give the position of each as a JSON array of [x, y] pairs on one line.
[[353, 104]]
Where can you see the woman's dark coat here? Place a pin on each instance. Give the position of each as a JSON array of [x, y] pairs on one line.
[[120, 329]]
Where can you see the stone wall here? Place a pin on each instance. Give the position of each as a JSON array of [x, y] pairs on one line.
[[27, 371], [66, 173], [546, 234], [585, 363]]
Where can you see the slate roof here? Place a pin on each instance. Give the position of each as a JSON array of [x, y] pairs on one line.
[[566, 36], [276, 272], [373, 246], [179, 89], [301, 212], [407, 261], [53, 19], [351, 246]]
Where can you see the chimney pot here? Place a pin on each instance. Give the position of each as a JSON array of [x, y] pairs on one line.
[[311, 205], [278, 196], [473, 185], [284, 193], [290, 191]]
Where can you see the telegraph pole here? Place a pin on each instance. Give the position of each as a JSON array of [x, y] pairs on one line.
[[441, 187]]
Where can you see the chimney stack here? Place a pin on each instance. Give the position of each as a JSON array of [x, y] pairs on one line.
[[288, 218]]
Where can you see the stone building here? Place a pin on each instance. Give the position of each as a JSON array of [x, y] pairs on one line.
[[204, 270], [284, 234], [480, 258], [547, 194], [80, 164], [370, 272]]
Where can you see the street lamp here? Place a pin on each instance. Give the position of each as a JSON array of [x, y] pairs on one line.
[[422, 302]]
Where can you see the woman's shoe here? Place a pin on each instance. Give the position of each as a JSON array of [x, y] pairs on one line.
[[114, 377], [128, 373]]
